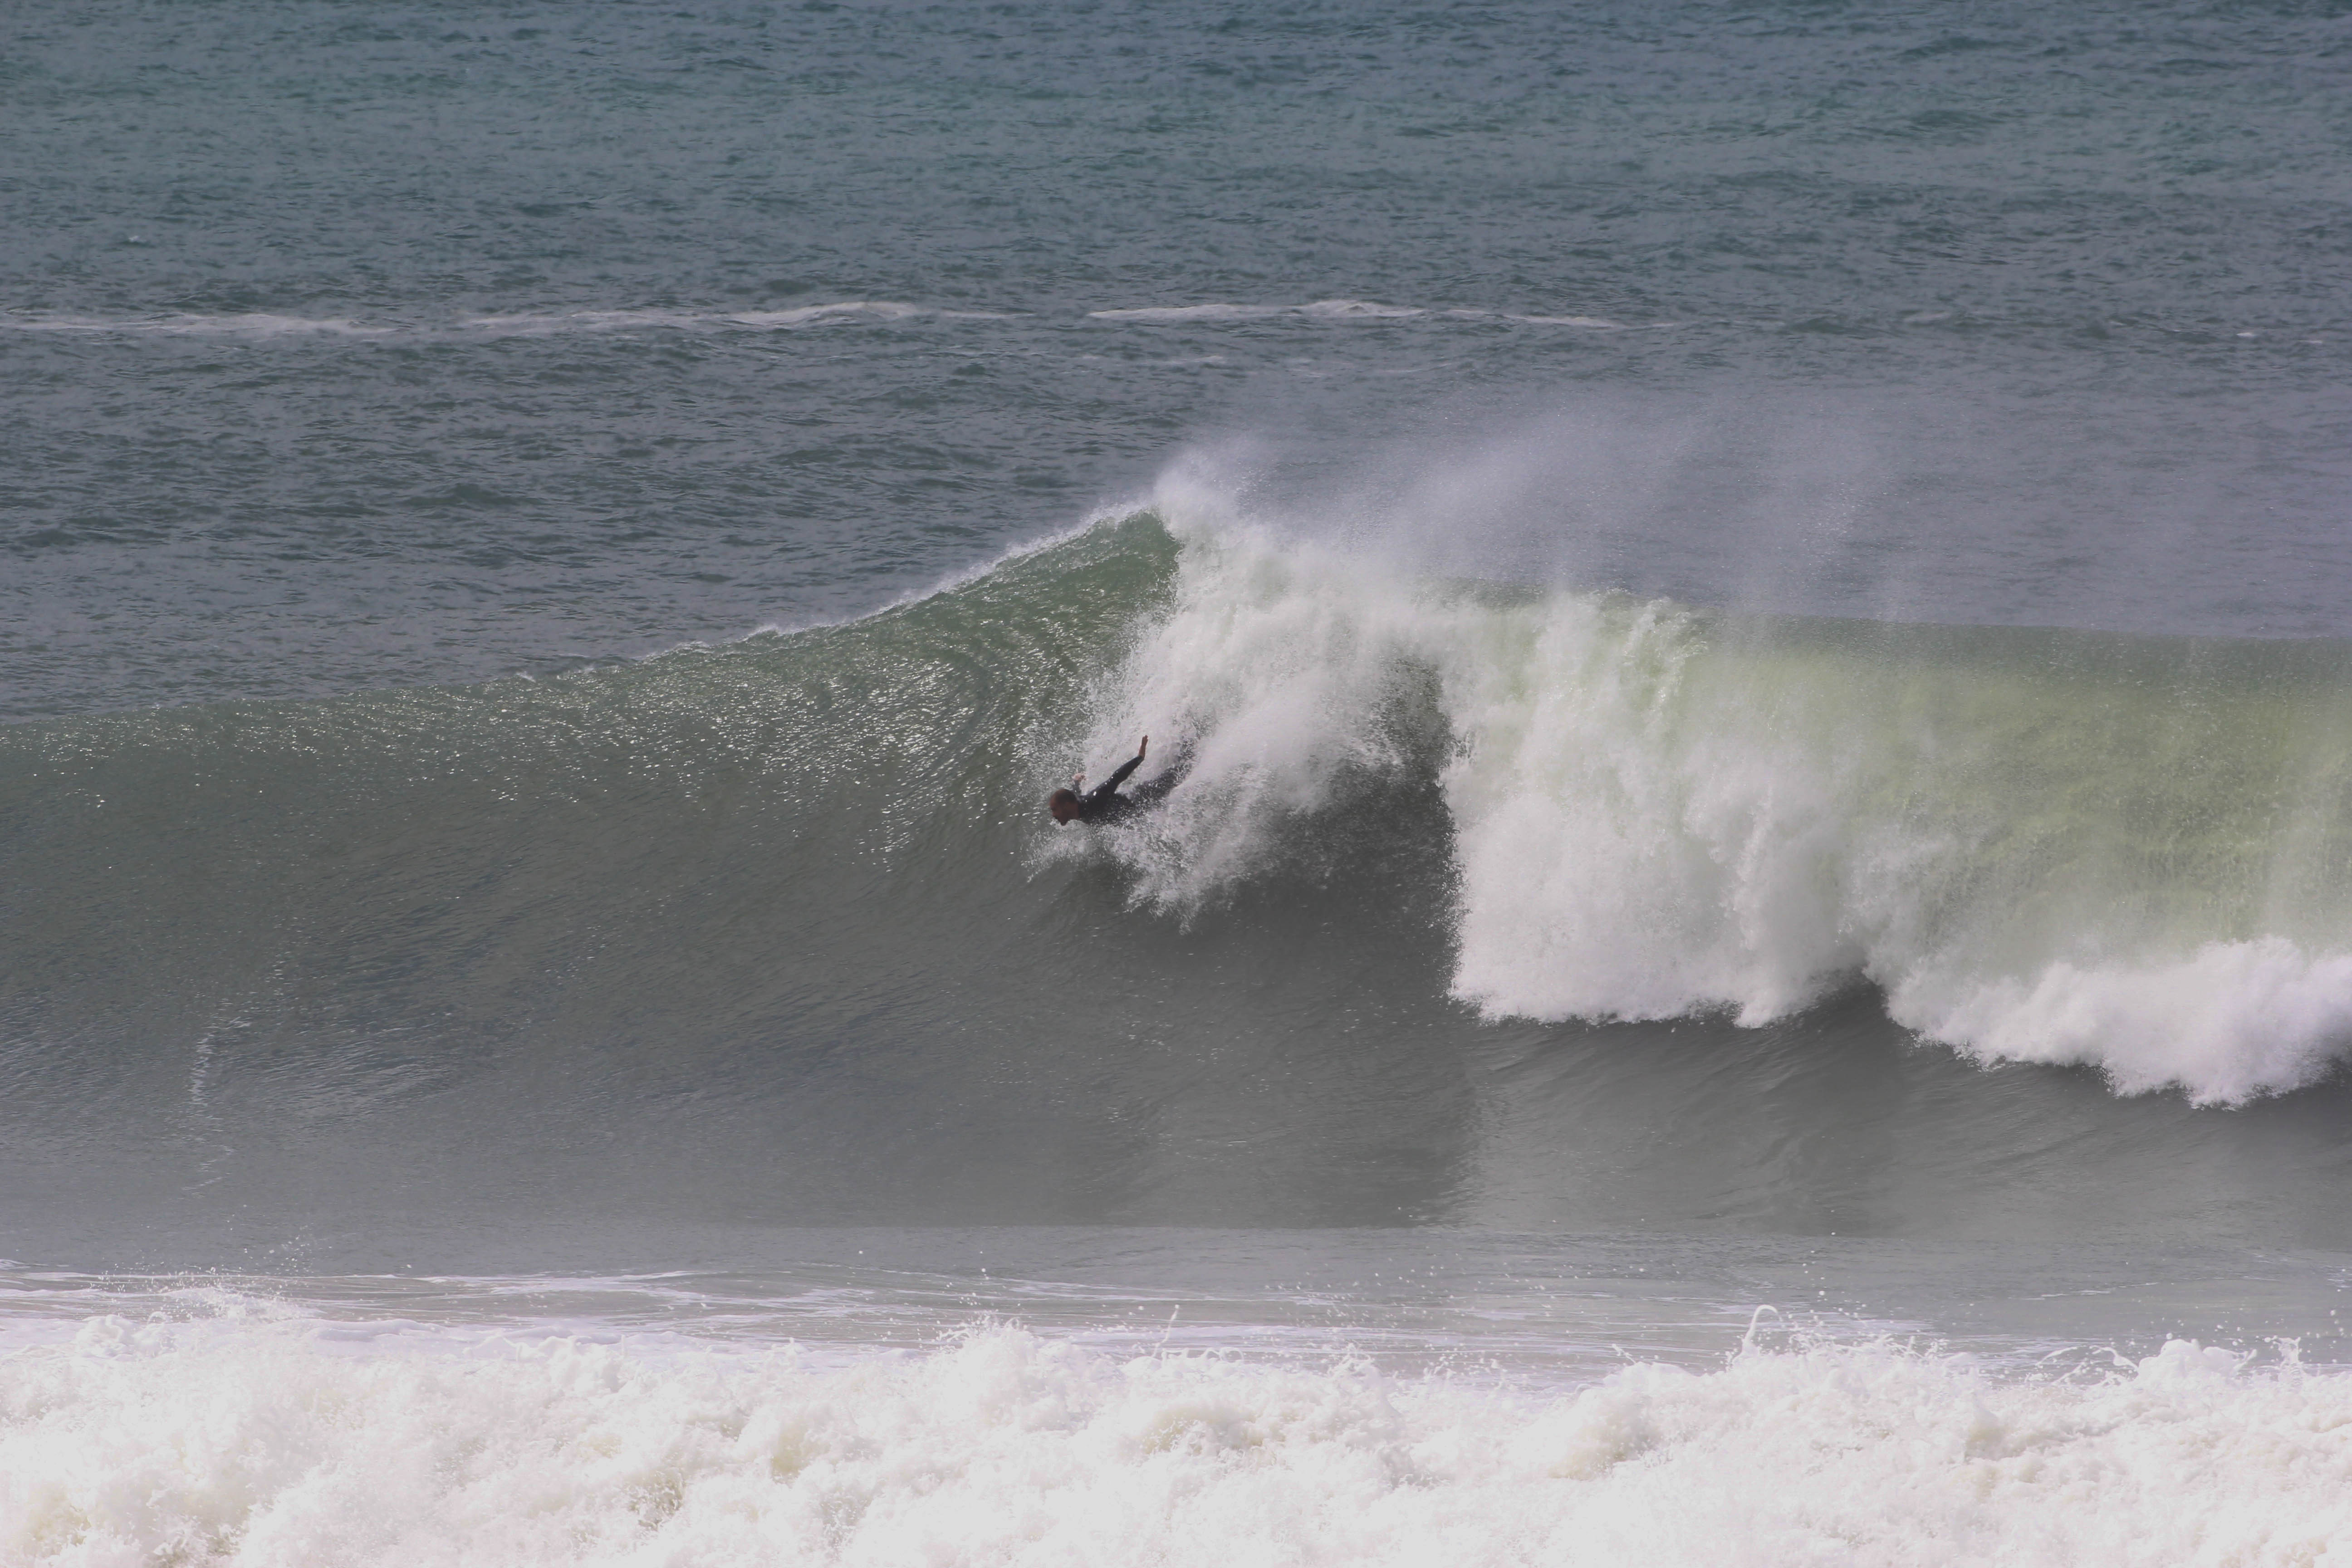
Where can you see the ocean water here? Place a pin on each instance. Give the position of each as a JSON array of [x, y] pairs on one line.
[[1746, 619]]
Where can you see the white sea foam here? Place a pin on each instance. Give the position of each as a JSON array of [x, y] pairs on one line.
[[1657, 812], [2232, 1020], [268, 1443]]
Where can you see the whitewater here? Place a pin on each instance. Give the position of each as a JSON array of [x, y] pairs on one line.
[[2116, 852], [261, 1436]]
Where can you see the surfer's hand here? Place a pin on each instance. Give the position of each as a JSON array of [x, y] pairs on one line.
[[1144, 747]]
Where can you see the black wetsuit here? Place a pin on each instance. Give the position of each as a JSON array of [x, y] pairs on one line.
[[1104, 803]]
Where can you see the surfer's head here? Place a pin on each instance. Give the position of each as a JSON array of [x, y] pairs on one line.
[[1063, 804]]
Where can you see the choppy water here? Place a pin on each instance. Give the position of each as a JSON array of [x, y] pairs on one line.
[[1747, 959]]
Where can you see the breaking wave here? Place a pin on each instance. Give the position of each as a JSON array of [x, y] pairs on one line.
[[778, 929], [545, 323], [2041, 845]]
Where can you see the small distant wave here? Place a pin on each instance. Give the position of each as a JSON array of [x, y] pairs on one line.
[[2057, 848], [1594, 323], [1340, 310], [1222, 311], [257, 324], [556, 323], [251, 325], [1320, 309], [705, 321]]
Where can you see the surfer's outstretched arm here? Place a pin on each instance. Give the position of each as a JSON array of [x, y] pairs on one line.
[[1125, 768]]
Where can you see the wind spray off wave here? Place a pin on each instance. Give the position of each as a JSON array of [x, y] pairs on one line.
[[2042, 845]]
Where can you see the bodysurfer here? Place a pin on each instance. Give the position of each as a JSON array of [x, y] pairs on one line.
[[1103, 803]]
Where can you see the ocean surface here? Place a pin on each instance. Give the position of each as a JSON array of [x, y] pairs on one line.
[[1745, 617]]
